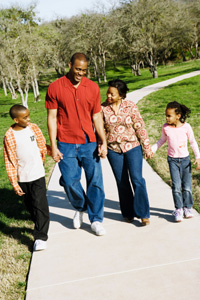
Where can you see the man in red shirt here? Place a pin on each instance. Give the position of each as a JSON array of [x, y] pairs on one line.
[[74, 110]]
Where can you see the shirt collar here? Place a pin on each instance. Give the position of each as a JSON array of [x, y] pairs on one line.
[[67, 82]]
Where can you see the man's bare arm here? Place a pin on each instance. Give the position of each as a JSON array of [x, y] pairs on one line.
[[99, 127]]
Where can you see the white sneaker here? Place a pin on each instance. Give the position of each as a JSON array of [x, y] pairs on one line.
[[178, 213], [98, 228], [188, 213], [78, 219], [39, 245]]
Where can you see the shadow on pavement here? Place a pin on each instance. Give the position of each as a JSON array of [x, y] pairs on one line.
[[162, 213]]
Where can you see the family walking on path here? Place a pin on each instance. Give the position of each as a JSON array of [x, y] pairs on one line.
[[120, 135], [74, 106]]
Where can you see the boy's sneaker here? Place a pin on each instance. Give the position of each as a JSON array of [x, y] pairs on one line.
[[39, 245], [188, 213], [178, 213], [98, 228], [78, 219], [129, 220]]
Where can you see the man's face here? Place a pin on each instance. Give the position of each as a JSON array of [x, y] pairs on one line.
[[77, 70]]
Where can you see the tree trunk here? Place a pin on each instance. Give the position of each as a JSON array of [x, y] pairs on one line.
[[23, 99], [142, 64], [34, 89], [11, 88], [190, 50], [88, 73], [60, 71], [196, 50], [183, 54], [63, 71], [133, 69], [104, 67], [96, 70], [35, 86], [152, 65], [136, 69], [4, 86], [114, 64], [14, 95], [26, 89], [37, 90]]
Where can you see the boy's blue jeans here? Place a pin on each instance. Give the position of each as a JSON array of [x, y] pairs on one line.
[[180, 171], [76, 157], [125, 165]]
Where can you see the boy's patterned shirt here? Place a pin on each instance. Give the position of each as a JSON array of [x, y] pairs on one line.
[[10, 152], [126, 130]]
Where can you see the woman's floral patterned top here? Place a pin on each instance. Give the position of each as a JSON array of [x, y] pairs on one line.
[[126, 130]]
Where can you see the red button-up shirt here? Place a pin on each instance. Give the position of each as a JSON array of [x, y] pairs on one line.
[[75, 108]]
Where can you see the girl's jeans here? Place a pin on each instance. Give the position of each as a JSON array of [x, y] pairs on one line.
[[180, 171], [129, 165]]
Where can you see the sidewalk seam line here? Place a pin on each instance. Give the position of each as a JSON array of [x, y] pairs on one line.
[[111, 274]]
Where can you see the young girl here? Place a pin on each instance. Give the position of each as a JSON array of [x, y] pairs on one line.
[[176, 132]]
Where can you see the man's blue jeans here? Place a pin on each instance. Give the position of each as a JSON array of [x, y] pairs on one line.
[[180, 171], [125, 165], [76, 156]]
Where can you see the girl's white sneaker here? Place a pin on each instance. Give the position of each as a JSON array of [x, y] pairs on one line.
[[188, 213], [178, 213]]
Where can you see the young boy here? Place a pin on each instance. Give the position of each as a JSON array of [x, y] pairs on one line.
[[24, 152]]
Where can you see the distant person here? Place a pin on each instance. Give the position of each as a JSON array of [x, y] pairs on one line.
[[125, 133], [177, 133], [24, 153], [74, 110]]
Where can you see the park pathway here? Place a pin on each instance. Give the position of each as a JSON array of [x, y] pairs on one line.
[[156, 262]]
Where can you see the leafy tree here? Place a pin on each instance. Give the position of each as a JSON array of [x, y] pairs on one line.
[[20, 48]]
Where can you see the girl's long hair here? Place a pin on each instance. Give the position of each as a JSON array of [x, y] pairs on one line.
[[181, 109]]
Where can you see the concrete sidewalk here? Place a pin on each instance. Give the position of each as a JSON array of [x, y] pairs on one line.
[[160, 261]]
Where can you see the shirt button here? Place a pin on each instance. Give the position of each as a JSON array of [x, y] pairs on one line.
[[77, 99]]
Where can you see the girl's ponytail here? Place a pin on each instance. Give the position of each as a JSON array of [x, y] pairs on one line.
[[185, 113]]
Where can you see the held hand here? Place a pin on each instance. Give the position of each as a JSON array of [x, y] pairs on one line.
[[56, 155], [19, 192], [197, 162], [149, 155], [102, 150]]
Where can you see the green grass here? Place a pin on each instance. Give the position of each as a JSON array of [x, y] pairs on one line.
[[136, 82], [16, 228]]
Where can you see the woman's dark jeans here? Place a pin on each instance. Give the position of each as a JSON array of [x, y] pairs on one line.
[[127, 169]]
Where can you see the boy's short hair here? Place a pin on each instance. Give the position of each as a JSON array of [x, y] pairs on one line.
[[15, 109]]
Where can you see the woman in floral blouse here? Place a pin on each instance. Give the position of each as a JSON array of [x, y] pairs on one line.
[[125, 132]]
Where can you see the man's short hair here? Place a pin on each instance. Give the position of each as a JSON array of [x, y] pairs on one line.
[[16, 109], [79, 56]]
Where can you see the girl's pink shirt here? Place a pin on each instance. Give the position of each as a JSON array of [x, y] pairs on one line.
[[177, 138]]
